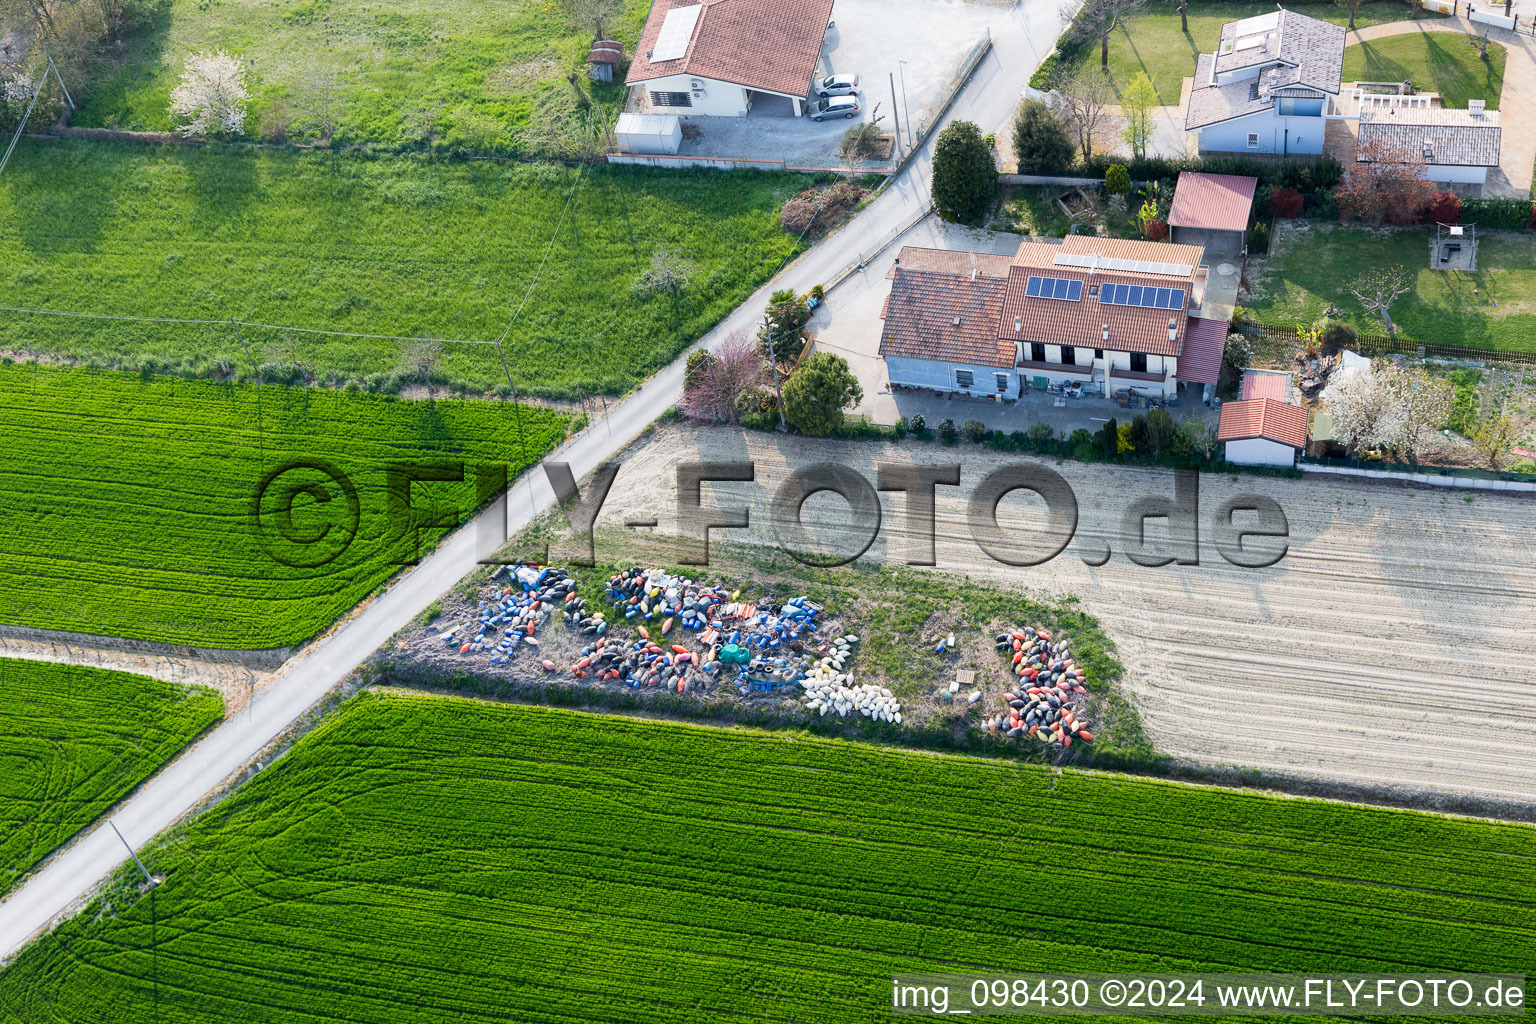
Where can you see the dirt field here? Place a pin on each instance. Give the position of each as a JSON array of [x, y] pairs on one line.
[[1392, 646]]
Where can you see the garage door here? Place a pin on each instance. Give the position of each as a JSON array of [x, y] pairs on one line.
[[1217, 243]]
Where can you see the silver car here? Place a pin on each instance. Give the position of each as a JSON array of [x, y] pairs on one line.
[[838, 85], [833, 106]]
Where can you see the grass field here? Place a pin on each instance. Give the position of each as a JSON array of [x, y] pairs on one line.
[[387, 245], [468, 74], [425, 859], [73, 741], [1494, 307], [128, 502], [1443, 62], [1154, 42]]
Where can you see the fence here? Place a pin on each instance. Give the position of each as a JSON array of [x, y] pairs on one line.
[[1047, 179], [1378, 344], [1435, 476], [1482, 14], [734, 163]]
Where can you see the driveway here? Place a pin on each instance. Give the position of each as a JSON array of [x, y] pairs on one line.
[[1022, 36], [908, 54]]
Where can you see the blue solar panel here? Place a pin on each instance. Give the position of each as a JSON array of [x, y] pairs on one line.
[[1054, 288], [1140, 295]]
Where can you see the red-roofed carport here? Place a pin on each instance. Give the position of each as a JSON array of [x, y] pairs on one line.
[[1212, 210], [1205, 341]]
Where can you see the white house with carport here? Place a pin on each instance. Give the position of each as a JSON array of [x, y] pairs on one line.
[[1267, 86], [1108, 313], [1262, 432], [1452, 147], [727, 57]]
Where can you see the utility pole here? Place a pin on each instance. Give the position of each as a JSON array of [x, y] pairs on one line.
[[147, 876], [773, 360], [906, 115]]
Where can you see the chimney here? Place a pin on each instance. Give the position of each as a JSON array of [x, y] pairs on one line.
[[1106, 334], [1173, 331], [1476, 107], [956, 321], [973, 273], [1429, 149]]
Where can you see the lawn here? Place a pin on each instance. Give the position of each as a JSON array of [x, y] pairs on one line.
[[1312, 266], [377, 245], [476, 75], [129, 501], [421, 858], [1443, 62], [74, 741], [1155, 43]]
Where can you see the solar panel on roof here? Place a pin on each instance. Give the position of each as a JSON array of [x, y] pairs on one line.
[[676, 31], [1054, 288], [1072, 259], [1140, 295]]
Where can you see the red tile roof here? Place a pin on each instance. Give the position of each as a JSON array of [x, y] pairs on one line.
[[952, 261], [921, 312], [1266, 418], [772, 45], [1131, 328], [1204, 342], [1219, 201], [1266, 385]]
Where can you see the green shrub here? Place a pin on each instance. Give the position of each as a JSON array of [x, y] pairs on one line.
[[947, 431], [974, 431], [1258, 238], [1041, 142], [1523, 466], [1497, 213], [964, 173], [1117, 180], [919, 426], [818, 392]]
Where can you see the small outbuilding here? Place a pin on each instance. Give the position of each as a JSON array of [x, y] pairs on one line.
[[1262, 432], [649, 133], [605, 57], [1451, 147], [1212, 210]]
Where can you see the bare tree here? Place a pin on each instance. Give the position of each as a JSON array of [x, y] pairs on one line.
[[1494, 436], [1379, 287], [420, 357], [594, 14], [1184, 16], [1096, 19], [1353, 7], [669, 272], [319, 103], [1083, 105]]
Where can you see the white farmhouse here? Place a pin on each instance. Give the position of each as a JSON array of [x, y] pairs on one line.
[[1109, 313], [1267, 86], [728, 57]]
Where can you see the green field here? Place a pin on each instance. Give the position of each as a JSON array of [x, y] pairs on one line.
[[466, 74], [74, 741], [1494, 307], [128, 501], [1154, 42], [386, 245], [1442, 62], [427, 859]]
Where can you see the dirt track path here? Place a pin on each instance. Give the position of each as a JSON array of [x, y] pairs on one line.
[[1391, 647]]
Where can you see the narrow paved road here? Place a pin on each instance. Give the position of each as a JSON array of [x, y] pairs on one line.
[[1021, 38]]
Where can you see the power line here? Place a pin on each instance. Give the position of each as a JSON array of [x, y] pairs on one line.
[[549, 249]]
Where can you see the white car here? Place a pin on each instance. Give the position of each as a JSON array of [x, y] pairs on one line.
[[838, 85], [833, 106]]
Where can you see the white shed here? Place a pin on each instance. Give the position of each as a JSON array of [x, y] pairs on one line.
[[1262, 432], [649, 133]]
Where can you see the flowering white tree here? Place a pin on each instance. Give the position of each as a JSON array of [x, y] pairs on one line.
[[1390, 406], [211, 97], [16, 84]]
